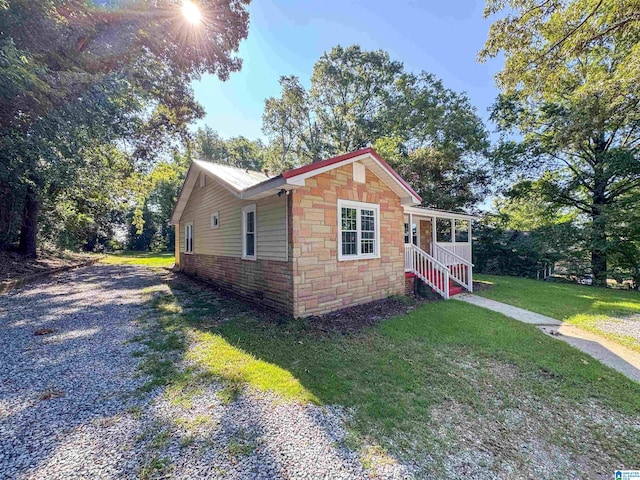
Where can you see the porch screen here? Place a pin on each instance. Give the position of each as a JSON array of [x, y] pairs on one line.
[[443, 230], [462, 231]]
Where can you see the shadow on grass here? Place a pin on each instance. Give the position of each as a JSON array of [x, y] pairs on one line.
[[395, 375]]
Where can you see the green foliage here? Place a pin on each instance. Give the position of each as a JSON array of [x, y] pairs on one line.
[[529, 234], [237, 151], [290, 125], [148, 221], [576, 304], [571, 90], [398, 374], [431, 134], [79, 78], [542, 36], [350, 89]]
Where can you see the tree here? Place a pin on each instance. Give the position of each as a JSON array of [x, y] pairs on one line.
[[237, 151], [439, 143], [543, 35], [210, 146], [245, 153], [577, 110], [155, 205], [350, 89], [431, 134], [291, 127], [76, 75]]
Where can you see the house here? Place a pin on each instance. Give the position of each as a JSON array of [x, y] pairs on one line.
[[336, 233]]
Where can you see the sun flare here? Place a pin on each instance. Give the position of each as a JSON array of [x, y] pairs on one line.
[[191, 12]]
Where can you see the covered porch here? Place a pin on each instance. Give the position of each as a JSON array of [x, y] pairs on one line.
[[438, 249]]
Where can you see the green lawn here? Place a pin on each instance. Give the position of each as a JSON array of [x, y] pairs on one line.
[[445, 378], [150, 259], [579, 305]]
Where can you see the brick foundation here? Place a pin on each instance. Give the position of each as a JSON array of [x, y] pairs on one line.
[[266, 282], [409, 284]]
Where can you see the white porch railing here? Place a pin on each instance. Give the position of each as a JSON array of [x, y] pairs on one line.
[[461, 270], [426, 268], [461, 249]]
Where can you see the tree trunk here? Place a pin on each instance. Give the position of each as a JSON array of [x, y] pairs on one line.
[[29, 228], [599, 242]]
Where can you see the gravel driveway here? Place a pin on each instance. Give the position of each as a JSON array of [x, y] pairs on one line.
[[64, 395], [70, 405]]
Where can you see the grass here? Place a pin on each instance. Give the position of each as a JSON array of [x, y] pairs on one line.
[[396, 376], [579, 305], [149, 259]]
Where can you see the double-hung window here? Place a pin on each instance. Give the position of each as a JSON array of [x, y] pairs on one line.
[[188, 238], [249, 232], [359, 235]]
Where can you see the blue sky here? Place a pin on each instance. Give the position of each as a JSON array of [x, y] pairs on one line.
[[287, 37]]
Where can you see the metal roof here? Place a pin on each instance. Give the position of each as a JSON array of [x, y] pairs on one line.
[[237, 178]]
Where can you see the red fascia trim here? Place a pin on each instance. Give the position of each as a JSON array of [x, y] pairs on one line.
[[347, 156], [324, 163]]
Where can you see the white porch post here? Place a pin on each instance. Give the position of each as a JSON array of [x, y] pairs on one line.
[[433, 234], [411, 228], [453, 234]]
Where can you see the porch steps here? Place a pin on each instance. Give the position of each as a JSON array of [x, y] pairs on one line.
[[454, 288]]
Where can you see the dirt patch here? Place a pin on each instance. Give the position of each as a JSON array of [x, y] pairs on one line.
[[14, 266], [354, 319], [481, 286], [346, 321]]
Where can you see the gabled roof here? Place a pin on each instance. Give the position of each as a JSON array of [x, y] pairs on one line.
[[252, 185]]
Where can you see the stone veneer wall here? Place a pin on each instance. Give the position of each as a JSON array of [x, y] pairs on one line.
[[321, 283], [267, 282]]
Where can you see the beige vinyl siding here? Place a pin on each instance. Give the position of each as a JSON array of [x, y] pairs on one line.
[[271, 214], [271, 241]]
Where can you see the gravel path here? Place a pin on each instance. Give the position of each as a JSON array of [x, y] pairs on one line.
[[64, 395], [70, 409], [628, 326]]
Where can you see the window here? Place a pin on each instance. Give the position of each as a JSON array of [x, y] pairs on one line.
[[249, 232], [415, 234], [462, 231], [188, 238], [215, 219], [443, 230], [359, 235]]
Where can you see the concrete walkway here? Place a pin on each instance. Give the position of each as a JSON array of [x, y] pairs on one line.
[[612, 354]]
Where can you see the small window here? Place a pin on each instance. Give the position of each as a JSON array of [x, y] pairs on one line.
[[415, 234], [462, 231], [359, 230], [249, 232], [215, 219], [443, 230], [188, 238]]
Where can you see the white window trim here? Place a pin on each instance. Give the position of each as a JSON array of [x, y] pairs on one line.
[[247, 209], [217, 216], [358, 205], [186, 226]]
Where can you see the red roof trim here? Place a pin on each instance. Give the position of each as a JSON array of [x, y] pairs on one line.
[[348, 156]]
